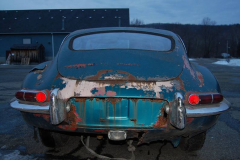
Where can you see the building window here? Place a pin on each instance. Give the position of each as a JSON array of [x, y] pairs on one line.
[[27, 41]]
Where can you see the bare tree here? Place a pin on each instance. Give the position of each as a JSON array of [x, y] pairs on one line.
[[208, 22], [136, 22], [209, 35]]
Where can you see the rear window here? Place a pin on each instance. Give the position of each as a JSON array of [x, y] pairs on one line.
[[122, 40]]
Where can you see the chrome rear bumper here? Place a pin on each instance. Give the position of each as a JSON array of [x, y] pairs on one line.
[[57, 109], [207, 110], [29, 107]]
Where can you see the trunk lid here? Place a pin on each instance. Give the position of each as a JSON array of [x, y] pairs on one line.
[[130, 65]]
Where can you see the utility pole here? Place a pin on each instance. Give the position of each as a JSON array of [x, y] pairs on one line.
[[119, 21], [53, 47]]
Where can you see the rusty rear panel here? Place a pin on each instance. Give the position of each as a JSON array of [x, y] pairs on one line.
[[117, 112]]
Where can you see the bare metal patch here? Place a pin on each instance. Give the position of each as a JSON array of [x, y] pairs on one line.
[[187, 65], [200, 78], [85, 88], [39, 76]]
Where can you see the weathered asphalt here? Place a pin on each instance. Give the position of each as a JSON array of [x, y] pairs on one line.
[[16, 137]]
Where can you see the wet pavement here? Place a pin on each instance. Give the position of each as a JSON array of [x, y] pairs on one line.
[[17, 142]]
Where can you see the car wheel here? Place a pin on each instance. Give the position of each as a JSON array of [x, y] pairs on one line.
[[53, 139], [193, 143]]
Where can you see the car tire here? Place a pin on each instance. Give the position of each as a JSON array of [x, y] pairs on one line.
[[53, 139], [193, 143]]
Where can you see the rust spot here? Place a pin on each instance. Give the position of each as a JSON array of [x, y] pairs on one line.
[[81, 100], [135, 110], [114, 101], [181, 84], [135, 100], [111, 93], [57, 76], [130, 76], [73, 119], [162, 121], [128, 64], [134, 120], [100, 99], [80, 65], [200, 78], [98, 75], [102, 120], [189, 120]]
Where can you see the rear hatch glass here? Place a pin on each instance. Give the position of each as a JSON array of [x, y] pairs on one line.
[[122, 40]]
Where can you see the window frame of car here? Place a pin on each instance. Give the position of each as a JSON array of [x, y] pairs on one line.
[[171, 38], [185, 49]]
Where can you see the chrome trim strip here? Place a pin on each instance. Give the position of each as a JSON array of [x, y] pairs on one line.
[[207, 110], [29, 108], [29, 91]]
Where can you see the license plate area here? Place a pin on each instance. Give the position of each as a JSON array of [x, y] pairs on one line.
[[117, 112], [117, 109]]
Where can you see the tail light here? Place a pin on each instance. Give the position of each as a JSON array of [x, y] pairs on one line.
[[195, 99], [33, 96]]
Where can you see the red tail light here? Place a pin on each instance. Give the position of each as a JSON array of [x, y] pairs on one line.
[[29, 96], [194, 99], [217, 98], [32, 96], [19, 95], [205, 99], [41, 97]]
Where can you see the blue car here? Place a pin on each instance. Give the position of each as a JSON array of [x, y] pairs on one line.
[[123, 83]]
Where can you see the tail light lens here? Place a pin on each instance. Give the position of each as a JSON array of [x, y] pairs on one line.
[[217, 98], [205, 99], [29, 96], [19, 95], [194, 99], [41, 97], [33, 96]]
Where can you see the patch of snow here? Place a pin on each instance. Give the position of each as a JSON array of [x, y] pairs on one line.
[[232, 62], [16, 155], [4, 147], [225, 55], [192, 59]]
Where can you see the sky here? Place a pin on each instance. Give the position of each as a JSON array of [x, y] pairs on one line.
[[149, 11]]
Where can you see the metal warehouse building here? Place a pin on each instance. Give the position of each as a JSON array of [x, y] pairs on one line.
[[31, 28]]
